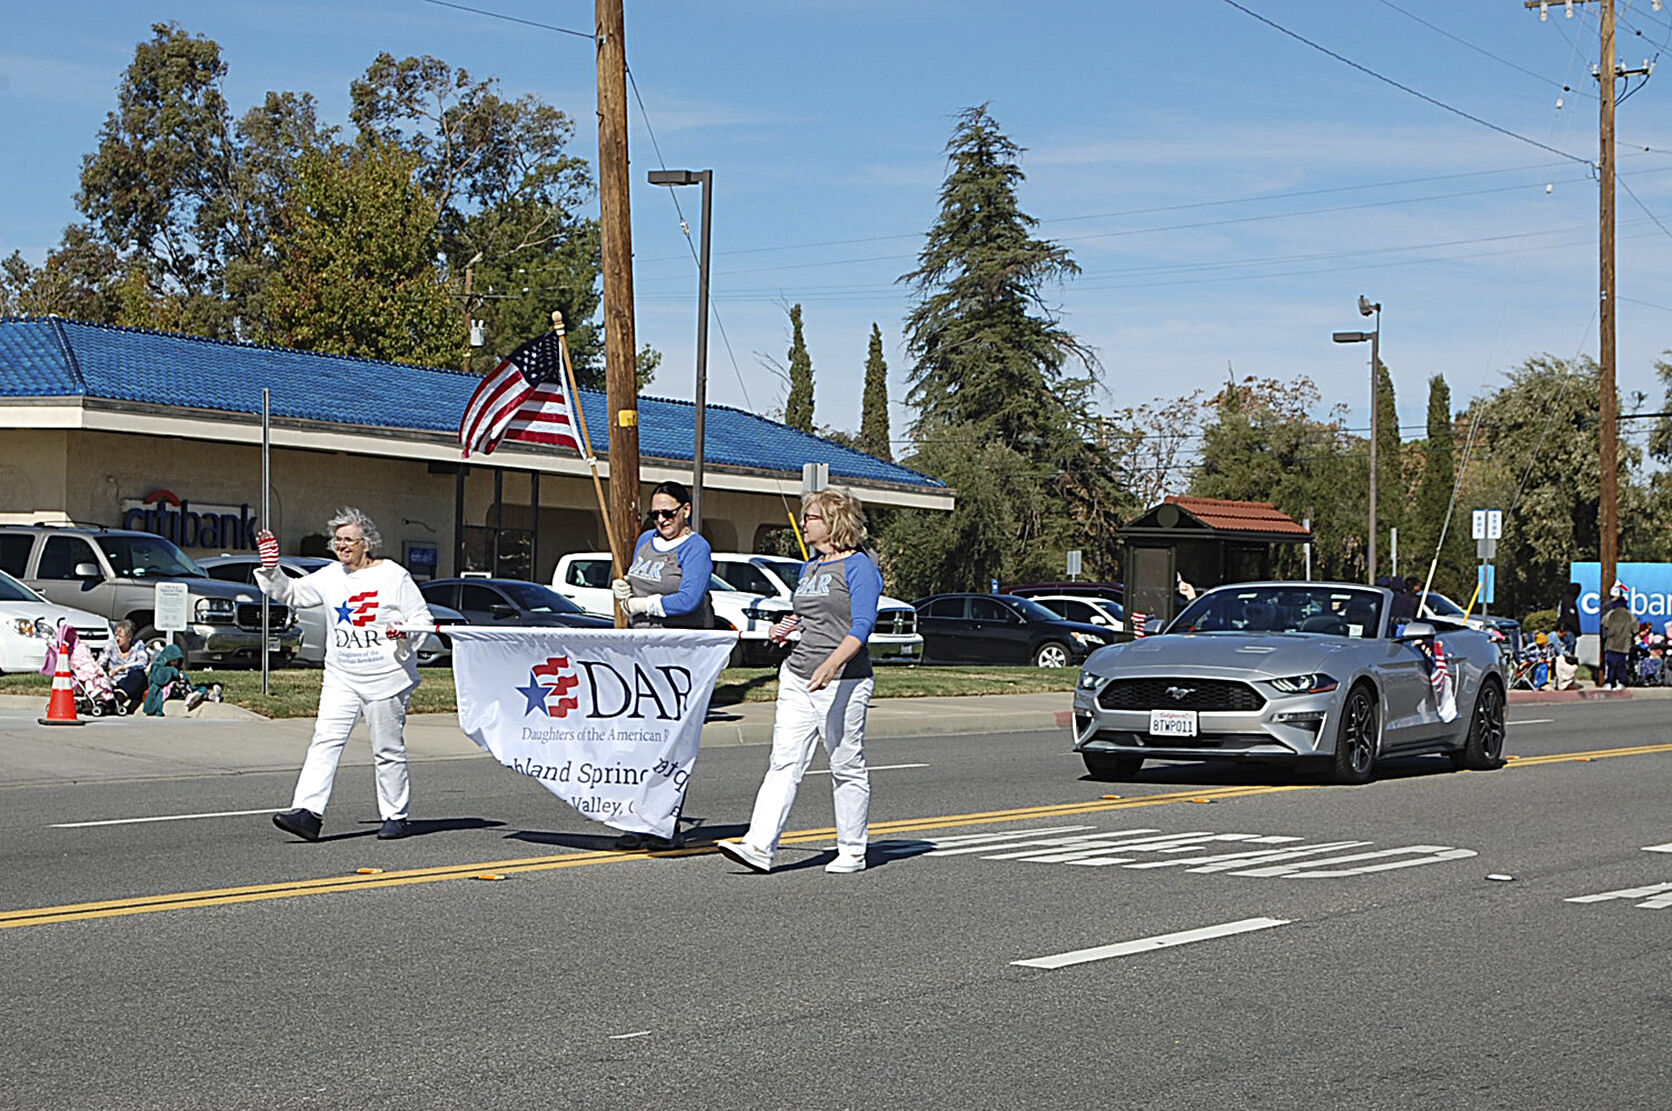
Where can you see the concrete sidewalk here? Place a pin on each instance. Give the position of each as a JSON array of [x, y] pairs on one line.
[[218, 739]]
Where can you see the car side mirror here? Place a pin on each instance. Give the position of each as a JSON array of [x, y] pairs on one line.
[[501, 611], [88, 571], [1099, 619], [1417, 630]]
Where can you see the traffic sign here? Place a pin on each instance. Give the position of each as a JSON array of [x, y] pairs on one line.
[[1488, 584], [1488, 524]]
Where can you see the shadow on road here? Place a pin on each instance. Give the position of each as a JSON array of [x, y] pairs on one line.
[[1224, 773]]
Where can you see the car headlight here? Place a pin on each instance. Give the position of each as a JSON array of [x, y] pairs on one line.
[[215, 609], [1090, 681], [1305, 684], [1090, 640]]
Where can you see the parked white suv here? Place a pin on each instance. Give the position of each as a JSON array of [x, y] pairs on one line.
[[584, 578], [895, 637]]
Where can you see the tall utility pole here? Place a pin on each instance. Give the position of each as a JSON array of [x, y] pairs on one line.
[[1608, 71], [616, 237]]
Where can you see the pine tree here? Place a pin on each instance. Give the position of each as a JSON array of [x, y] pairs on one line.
[[798, 409], [873, 419], [996, 407], [987, 353], [1434, 499]]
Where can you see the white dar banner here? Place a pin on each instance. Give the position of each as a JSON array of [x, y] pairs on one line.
[[609, 720]]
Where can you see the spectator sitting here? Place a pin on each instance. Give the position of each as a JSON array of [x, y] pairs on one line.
[[167, 679], [125, 661]]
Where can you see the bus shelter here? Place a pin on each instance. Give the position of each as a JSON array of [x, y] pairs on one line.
[[1205, 541]]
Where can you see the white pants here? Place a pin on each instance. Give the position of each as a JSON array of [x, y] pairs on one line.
[[339, 709], [837, 714]]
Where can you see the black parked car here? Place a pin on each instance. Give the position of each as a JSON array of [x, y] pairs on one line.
[[1002, 629], [509, 602]]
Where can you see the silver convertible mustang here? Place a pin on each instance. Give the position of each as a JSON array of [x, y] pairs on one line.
[[1291, 671]]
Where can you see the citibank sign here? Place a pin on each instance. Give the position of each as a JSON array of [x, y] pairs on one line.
[[200, 525]]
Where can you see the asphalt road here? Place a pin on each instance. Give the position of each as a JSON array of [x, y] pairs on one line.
[[1213, 938]]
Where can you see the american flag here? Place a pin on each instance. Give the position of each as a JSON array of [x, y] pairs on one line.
[[1445, 698], [1138, 623], [522, 399]]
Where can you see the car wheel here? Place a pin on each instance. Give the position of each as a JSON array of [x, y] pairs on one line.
[[1483, 743], [1356, 738], [1104, 765], [1052, 654]]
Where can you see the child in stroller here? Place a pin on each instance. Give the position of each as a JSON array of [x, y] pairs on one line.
[[94, 696]]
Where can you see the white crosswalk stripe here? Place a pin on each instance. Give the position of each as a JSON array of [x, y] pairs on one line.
[[1143, 849]]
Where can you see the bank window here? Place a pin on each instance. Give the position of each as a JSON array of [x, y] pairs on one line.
[[504, 553], [14, 553], [61, 554]]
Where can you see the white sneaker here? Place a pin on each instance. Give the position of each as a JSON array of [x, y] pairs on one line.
[[195, 699], [747, 855], [846, 862]]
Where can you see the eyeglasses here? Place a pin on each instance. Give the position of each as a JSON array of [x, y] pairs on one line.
[[811, 517], [664, 514], [347, 541]]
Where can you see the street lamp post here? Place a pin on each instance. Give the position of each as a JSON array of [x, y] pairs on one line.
[[1366, 307], [705, 178]]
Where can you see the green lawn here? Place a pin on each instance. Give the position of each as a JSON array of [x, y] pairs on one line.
[[295, 691]]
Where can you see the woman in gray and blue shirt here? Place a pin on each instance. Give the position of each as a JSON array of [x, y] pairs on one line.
[[824, 687], [667, 585]]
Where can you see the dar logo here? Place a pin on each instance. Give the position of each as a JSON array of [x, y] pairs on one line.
[[548, 681], [359, 610]]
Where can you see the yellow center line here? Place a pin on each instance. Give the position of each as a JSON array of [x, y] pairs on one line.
[[110, 908]]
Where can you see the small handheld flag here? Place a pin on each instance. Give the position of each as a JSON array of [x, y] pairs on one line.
[[523, 399]]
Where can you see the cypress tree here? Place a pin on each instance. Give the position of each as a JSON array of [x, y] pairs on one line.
[[873, 419], [798, 409]]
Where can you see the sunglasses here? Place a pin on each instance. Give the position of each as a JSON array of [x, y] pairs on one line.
[[811, 517], [664, 514]]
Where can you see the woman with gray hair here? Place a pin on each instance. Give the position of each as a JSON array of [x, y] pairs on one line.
[[369, 667]]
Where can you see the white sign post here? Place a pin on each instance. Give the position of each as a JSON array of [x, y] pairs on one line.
[[1074, 564], [171, 605]]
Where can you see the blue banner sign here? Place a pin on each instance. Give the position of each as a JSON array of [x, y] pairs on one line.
[[1648, 591]]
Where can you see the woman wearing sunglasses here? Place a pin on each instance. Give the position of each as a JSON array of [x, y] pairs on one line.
[[667, 585], [824, 687]]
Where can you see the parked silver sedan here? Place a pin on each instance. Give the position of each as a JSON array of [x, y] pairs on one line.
[[1291, 671]]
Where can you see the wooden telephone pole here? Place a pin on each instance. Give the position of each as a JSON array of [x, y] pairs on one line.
[[1608, 71], [616, 236]]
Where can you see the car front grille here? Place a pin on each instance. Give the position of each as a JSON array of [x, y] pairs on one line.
[[1179, 694], [900, 622], [248, 616]]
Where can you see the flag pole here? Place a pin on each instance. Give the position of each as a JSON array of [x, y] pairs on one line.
[[586, 443]]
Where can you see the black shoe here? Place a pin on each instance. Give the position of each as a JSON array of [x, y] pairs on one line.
[[393, 829], [303, 823]]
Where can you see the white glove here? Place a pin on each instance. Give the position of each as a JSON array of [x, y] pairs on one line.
[[268, 546], [642, 605], [622, 589]]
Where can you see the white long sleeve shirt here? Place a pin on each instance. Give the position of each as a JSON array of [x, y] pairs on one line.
[[359, 607]]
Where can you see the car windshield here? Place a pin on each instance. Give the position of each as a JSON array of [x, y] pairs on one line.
[[13, 591], [787, 569], [538, 599], [1441, 606], [1283, 608], [148, 557], [1032, 610]]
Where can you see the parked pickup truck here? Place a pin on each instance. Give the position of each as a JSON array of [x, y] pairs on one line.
[[114, 573], [584, 578], [895, 637]]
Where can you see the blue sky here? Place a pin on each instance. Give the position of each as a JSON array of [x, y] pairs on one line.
[[1228, 190]]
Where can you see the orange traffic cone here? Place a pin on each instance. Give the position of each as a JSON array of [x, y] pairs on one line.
[[60, 709]]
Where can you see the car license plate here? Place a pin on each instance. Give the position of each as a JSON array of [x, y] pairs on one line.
[[1172, 723]]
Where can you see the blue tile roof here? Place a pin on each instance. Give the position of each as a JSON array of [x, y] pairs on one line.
[[55, 357]]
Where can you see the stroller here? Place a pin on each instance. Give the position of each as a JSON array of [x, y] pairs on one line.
[[94, 696]]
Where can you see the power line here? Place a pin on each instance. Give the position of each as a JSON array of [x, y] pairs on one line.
[[514, 19], [1406, 88], [1481, 50]]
